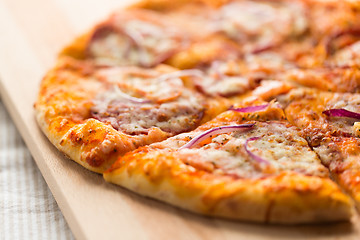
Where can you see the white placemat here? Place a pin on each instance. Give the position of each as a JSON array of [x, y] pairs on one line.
[[27, 208]]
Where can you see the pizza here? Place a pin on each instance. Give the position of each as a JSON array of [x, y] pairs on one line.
[[239, 109]]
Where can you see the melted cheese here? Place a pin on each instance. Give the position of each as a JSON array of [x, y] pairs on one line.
[[279, 144], [144, 83], [349, 56], [260, 21], [226, 86], [113, 49], [179, 109], [138, 43]]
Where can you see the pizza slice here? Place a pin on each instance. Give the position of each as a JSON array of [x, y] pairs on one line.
[[330, 122], [341, 156], [247, 164], [94, 114]]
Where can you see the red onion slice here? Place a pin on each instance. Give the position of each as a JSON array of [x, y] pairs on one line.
[[263, 48], [130, 98], [216, 131], [250, 109], [340, 112], [252, 155]]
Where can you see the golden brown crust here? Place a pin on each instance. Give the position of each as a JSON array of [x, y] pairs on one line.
[[288, 198], [77, 49], [349, 180]]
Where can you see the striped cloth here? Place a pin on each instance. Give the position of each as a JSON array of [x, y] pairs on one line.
[[27, 208]]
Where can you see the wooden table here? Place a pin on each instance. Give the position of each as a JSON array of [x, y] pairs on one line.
[[31, 33]]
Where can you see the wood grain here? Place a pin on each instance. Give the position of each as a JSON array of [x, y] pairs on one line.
[[32, 32]]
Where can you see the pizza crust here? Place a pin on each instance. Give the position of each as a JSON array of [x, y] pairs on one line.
[[288, 198]]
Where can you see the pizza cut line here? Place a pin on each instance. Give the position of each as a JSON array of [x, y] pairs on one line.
[[241, 109]]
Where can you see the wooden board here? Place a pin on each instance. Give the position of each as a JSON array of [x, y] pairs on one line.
[[32, 32]]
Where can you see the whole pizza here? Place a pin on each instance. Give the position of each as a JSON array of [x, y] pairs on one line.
[[241, 109]]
